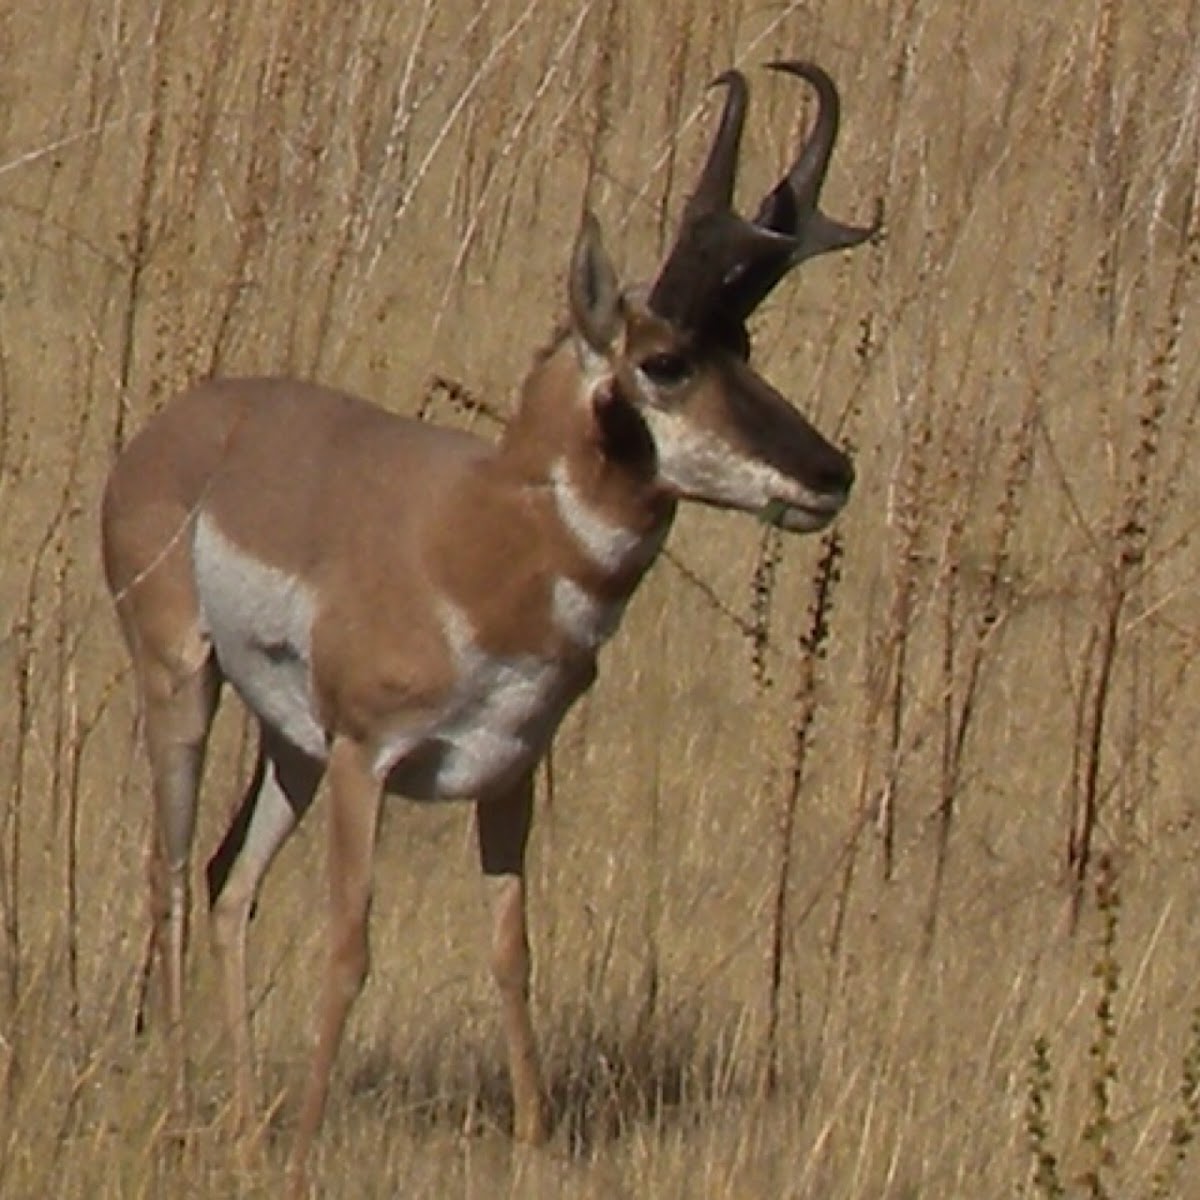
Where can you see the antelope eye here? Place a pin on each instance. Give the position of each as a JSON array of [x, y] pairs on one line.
[[667, 370]]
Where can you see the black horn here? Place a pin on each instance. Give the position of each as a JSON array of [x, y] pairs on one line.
[[792, 207], [714, 189], [713, 241]]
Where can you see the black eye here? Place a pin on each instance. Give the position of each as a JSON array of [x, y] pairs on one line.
[[667, 369]]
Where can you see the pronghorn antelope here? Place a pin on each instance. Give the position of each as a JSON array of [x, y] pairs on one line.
[[410, 610]]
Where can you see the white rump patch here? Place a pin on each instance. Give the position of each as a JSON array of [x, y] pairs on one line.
[[609, 545], [260, 620]]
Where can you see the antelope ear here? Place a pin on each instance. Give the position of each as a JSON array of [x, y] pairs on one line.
[[595, 290]]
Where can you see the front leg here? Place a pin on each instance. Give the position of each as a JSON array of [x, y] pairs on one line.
[[503, 825], [354, 800]]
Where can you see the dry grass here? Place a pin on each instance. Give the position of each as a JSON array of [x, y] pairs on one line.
[[991, 688]]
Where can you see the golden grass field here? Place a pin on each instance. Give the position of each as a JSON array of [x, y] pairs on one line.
[[984, 683]]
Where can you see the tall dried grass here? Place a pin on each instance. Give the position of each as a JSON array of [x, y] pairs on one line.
[[839, 839]]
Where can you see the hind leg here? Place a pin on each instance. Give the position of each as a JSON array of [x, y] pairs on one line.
[[281, 792], [153, 495], [178, 705]]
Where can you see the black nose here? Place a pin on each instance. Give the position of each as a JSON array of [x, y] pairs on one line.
[[833, 473]]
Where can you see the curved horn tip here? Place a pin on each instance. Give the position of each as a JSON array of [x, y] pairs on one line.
[[730, 78], [803, 67]]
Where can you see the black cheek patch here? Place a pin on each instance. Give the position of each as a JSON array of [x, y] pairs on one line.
[[624, 436]]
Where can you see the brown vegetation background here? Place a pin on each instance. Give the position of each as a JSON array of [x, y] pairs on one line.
[[815, 864]]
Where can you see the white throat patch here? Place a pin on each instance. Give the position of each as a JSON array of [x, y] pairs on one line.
[[582, 618], [608, 545]]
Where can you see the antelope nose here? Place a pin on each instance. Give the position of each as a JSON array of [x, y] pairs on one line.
[[834, 475]]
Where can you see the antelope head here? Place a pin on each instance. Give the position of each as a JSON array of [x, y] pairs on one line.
[[667, 366]]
